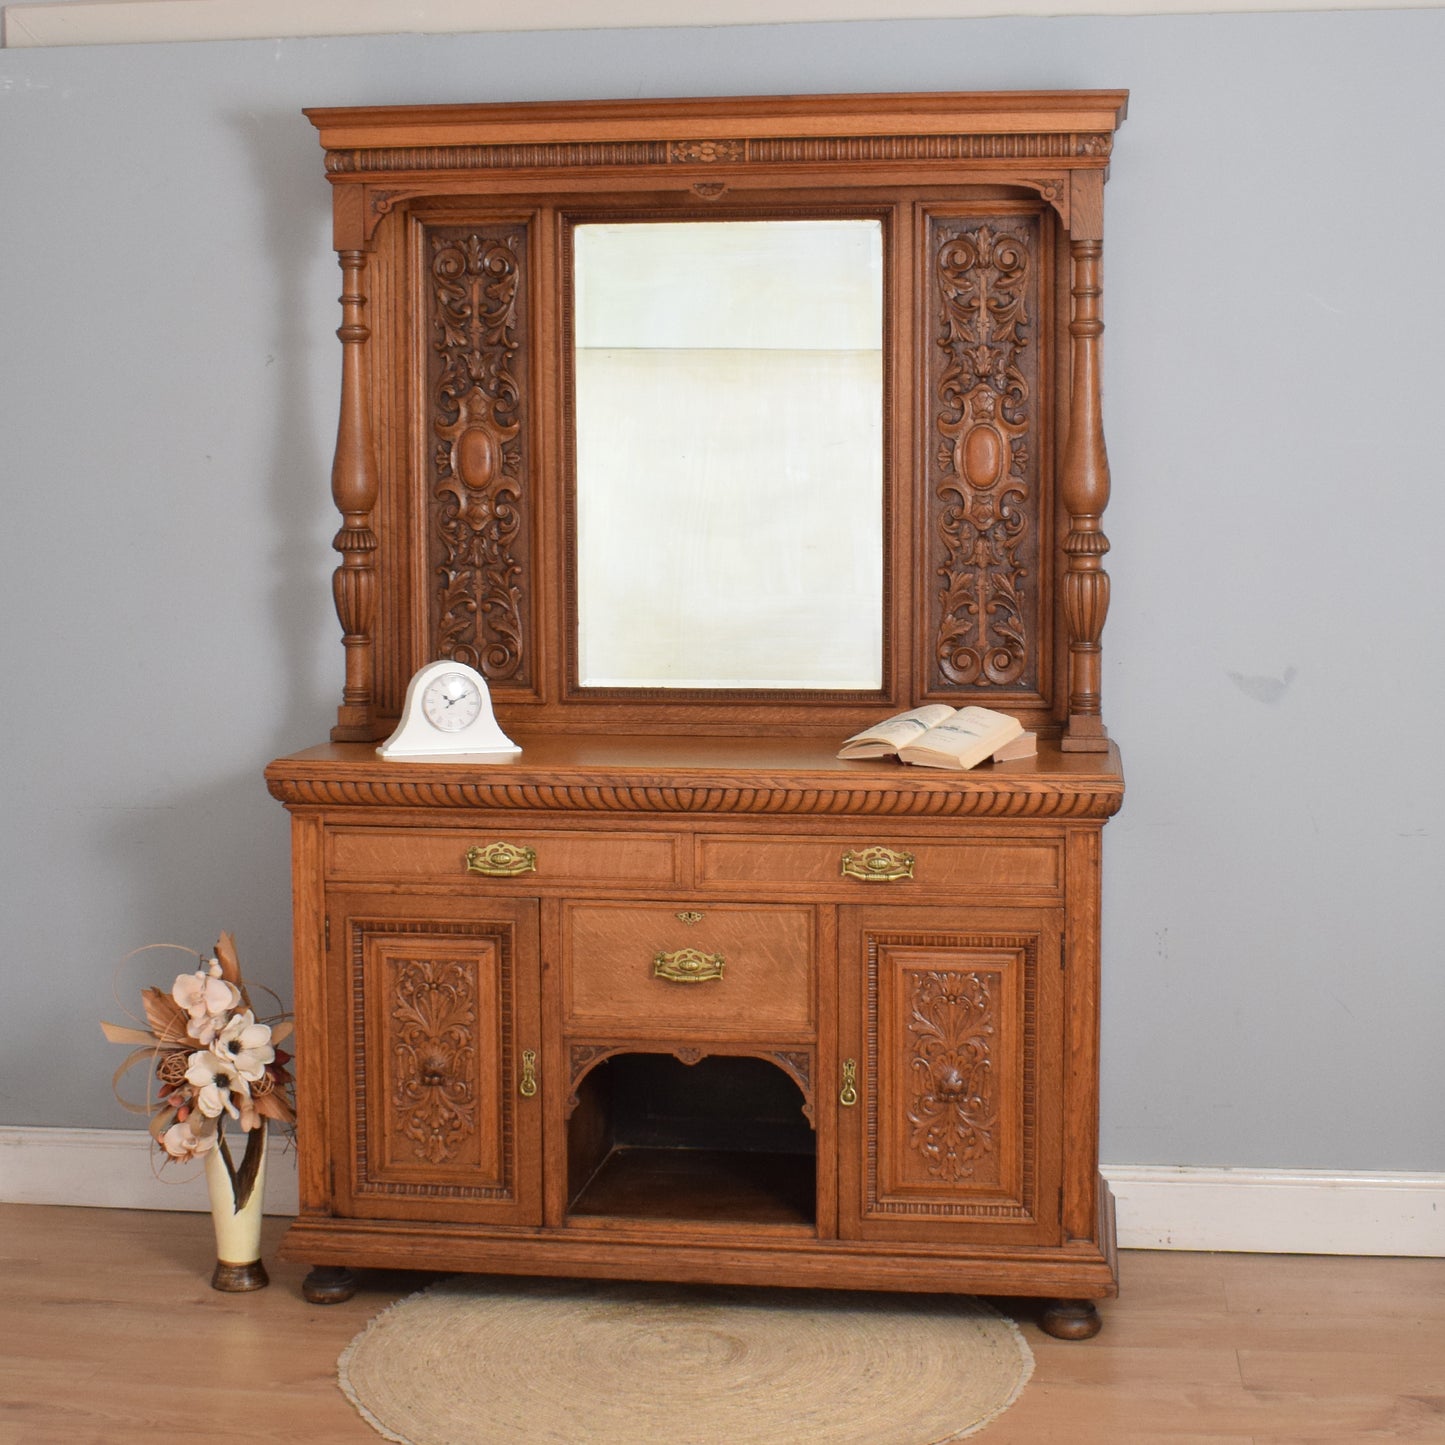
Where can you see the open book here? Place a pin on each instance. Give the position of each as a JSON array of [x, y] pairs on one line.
[[943, 737]]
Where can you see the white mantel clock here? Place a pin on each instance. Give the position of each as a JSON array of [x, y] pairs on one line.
[[448, 715]]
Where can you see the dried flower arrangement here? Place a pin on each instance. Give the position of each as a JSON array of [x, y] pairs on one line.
[[213, 1060]]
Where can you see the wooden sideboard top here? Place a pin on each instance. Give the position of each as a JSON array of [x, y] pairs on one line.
[[724, 775]]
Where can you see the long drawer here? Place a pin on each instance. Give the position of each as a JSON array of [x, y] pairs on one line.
[[516, 858], [858, 867], [683, 971]]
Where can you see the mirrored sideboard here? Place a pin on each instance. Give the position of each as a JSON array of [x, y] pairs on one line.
[[709, 432]]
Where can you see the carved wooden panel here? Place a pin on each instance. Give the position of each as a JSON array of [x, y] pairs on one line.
[[956, 1086], [985, 278], [951, 1101], [481, 503], [434, 1060], [431, 1028], [950, 1111]]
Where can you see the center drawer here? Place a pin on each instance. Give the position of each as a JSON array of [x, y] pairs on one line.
[[736, 970]]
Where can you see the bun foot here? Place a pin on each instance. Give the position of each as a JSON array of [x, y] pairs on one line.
[[1071, 1319], [328, 1284]]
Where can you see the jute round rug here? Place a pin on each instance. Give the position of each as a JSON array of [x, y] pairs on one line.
[[477, 1361]]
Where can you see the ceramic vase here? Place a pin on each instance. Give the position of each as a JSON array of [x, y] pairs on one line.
[[237, 1194]]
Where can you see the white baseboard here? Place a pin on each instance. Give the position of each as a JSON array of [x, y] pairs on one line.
[[119, 1169], [1275, 1211], [1278, 1211]]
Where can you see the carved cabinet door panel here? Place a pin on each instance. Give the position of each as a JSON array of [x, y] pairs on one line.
[[950, 1105], [442, 1034]]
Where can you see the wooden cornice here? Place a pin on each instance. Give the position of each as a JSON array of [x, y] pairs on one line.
[[1070, 130]]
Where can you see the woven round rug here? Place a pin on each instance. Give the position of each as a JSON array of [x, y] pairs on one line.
[[476, 1361]]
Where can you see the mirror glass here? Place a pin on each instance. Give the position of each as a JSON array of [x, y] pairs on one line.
[[729, 411]]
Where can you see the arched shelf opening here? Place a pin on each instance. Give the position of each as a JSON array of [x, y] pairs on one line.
[[722, 1138]]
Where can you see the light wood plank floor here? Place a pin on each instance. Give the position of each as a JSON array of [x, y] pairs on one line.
[[110, 1334]]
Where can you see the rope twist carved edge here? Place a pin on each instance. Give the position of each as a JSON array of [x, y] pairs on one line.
[[1043, 801]]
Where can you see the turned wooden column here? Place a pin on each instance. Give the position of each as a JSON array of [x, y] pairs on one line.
[[354, 488], [1085, 495]]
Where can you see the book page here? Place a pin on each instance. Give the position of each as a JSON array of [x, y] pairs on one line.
[[964, 739], [895, 732]]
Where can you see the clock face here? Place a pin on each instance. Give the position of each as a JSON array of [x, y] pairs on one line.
[[451, 702]]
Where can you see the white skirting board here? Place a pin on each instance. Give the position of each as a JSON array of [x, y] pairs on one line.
[[121, 1169], [1277, 1211]]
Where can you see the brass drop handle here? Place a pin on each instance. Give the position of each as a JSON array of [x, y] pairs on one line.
[[501, 860], [528, 1086], [848, 1095], [877, 865], [687, 965]]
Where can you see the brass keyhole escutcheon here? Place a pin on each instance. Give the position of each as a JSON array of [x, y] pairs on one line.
[[528, 1086], [848, 1095]]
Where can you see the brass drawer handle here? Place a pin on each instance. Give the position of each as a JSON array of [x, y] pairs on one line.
[[687, 965], [501, 860], [848, 1095], [528, 1086], [878, 865]]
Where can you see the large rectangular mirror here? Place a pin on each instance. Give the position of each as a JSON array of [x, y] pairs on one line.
[[728, 385]]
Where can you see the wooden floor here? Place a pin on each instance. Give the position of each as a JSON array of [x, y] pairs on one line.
[[109, 1333]]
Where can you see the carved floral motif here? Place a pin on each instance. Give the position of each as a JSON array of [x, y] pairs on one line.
[[984, 519], [433, 1016], [799, 1063], [950, 1110], [708, 151], [479, 463]]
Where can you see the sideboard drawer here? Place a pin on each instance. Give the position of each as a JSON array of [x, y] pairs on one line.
[[524, 858], [685, 970], [867, 865]]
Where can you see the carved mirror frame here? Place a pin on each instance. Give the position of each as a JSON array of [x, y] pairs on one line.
[[454, 468]]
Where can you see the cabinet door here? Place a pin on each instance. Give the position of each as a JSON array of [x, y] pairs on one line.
[[951, 1022], [442, 1033]]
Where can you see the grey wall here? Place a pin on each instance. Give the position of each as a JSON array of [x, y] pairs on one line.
[[1276, 309]]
